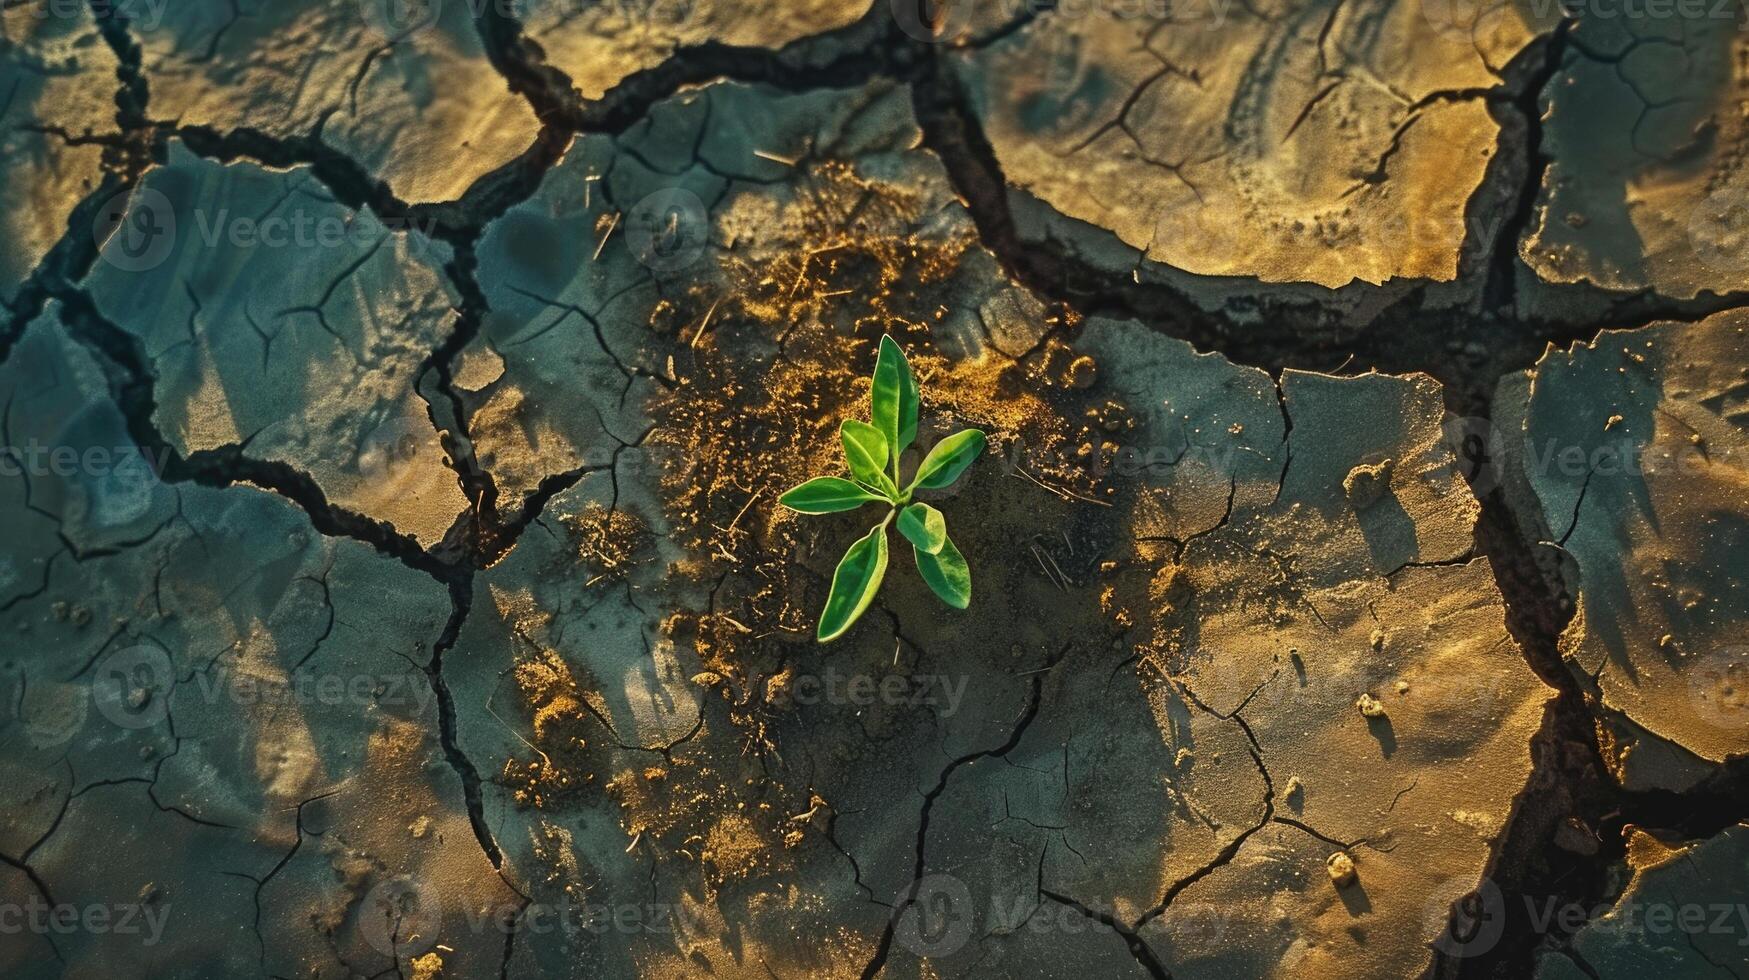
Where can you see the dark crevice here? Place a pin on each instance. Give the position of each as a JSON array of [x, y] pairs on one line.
[[126, 155], [1571, 785], [1572, 794], [132, 384], [1274, 328], [921, 864], [1303, 326], [347, 179], [1145, 957], [550, 92], [850, 56], [133, 98], [1537, 66], [461, 594]]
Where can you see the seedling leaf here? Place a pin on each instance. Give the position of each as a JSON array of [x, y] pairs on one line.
[[855, 583], [948, 460], [924, 527], [865, 449], [872, 451], [827, 495], [893, 400], [946, 574]]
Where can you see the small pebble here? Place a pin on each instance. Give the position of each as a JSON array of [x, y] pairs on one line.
[[1370, 706], [1341, 868]]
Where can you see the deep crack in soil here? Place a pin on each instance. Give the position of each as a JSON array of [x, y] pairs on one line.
[[1572, 785]]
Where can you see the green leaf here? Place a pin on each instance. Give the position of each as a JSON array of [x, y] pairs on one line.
[[924, 527], [948, 460], [827, 495], [893, 402], [854, 584], [947, 574], [865, 449]]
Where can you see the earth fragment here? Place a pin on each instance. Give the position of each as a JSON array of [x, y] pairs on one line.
[[395, 400]]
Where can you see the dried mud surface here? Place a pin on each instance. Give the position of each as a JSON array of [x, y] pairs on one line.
[[394, 400]]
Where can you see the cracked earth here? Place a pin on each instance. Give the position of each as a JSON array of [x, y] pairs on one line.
[[394, 399]]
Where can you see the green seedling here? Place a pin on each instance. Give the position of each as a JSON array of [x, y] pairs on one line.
[[872, 451]]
